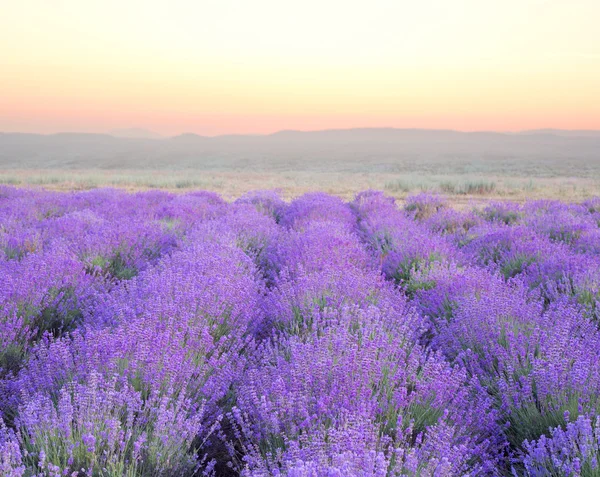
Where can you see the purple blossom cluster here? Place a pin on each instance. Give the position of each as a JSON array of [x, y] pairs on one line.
[[515, 304], [569, 451], [155, 334]]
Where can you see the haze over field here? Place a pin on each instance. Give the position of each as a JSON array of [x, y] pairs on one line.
[[353, 150], [544, 163]]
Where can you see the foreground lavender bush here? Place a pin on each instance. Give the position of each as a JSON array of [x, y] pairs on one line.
[[11, 460], [155, 334], [103, 427], [362, 388], [162, 354], [574, 450]]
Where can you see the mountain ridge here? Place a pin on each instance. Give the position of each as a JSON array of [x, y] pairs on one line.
[[141, 133], [361, 149]]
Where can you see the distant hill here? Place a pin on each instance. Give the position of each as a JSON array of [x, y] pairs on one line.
[[342, 150], [137, 133], [565, 132]]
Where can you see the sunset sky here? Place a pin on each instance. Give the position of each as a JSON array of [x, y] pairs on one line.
[[258, 66]]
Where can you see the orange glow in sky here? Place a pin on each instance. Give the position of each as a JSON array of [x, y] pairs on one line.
[[223, 66]]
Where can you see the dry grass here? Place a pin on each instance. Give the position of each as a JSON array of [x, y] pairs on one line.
[[462, 188]]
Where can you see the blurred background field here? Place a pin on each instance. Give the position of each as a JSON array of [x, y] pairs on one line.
[[464, 166]]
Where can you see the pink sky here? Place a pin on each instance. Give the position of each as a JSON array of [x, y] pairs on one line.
[[258, 67]]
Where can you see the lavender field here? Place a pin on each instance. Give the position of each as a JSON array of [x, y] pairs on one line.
[[156, 334]]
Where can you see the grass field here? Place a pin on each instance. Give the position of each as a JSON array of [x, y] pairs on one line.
[[234, 183]]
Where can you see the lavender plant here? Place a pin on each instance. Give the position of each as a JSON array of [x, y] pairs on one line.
[[159, 334]]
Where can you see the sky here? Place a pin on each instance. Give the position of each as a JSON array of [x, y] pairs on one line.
[[258, 66]]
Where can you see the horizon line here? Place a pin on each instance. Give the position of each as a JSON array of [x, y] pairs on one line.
[[117, 133]]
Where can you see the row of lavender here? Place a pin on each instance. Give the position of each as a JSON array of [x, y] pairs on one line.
[[511, 293], [155, 334]]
